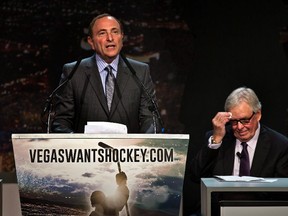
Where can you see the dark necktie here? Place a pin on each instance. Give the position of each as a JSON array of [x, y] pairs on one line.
[[109, 86], [244, 161]]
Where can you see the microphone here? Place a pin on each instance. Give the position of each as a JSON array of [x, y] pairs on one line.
[[51, 96], [154, 107], [239, 155]]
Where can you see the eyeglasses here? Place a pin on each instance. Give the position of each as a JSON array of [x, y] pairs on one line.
[[242, 121]]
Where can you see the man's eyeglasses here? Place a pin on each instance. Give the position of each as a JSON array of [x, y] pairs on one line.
[[242, 121]]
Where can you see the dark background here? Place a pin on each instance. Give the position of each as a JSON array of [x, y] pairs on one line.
[[198, 50], [38, 37]]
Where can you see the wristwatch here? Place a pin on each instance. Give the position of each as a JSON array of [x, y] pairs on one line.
[[213, 141]]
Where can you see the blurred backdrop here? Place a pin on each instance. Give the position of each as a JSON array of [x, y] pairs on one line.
[[199, 51], [38, 37]]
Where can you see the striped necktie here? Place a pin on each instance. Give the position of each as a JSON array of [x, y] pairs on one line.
[[109, 86]]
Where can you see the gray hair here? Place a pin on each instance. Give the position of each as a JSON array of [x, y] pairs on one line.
[[243, 94]]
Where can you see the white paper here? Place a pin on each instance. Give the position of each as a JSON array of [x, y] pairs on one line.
[[105, 128], [244, 178]]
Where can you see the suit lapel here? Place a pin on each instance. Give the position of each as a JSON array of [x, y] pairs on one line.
[[122, 78], [93, 76], [261, 153], [229, 154], [120, 84]]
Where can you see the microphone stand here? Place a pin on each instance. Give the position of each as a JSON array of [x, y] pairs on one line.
[[154, 115], [154, 108], [49, 105]]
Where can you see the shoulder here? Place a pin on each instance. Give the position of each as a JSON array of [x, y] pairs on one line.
[[272, 135], [141, 69], [137, 63], [89, 61]]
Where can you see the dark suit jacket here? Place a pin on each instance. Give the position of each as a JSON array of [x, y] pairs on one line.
[[270, 158], [82, 99]]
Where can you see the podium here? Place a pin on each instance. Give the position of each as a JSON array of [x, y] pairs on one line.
[[57, 173], [210, 185]]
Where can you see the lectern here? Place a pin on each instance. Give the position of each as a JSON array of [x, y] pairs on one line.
[[57, 173], [210, 185]]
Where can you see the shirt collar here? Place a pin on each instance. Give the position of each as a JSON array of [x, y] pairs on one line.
[[101, 64], [252, 142]]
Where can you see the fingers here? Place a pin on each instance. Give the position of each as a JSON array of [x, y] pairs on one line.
[[219, 122], [222, 118], [230, 115]]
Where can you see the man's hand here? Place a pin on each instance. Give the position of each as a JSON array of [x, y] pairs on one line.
[[219, 122]]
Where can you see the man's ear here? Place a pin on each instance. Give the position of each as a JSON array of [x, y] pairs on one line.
[[259, 115], [90, 41]]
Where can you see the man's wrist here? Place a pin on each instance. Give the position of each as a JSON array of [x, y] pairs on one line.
[[215, 141]]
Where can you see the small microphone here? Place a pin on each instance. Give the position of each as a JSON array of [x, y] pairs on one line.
[[239, 155]]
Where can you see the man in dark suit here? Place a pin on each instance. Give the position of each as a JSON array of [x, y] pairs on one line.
[[240, 123], [83, 98]]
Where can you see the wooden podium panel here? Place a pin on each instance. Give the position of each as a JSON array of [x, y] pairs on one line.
[[57, 173]]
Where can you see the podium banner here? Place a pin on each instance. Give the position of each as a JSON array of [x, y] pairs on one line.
[[59, 174]]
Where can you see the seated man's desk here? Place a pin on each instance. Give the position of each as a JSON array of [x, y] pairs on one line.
[[209, 185]]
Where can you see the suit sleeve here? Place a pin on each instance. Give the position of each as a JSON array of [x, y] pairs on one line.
[[203, 163], [64, 105], [146, 106]]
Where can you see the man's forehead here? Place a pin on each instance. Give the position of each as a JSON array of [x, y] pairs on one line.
[[106, 23]]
